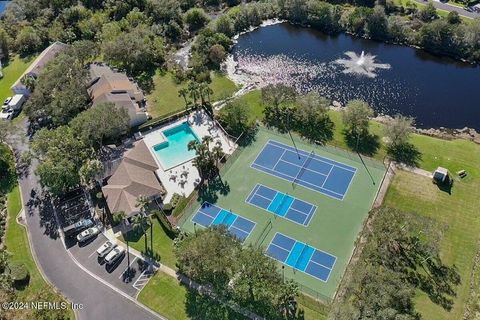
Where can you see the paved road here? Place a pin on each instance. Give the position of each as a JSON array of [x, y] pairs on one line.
[[99, 301], [447, 7]]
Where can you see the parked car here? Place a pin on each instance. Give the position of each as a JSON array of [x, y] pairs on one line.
[[88, 234], [7, 101], [106, 248], [6, 113], [74, 229], [114, 255]]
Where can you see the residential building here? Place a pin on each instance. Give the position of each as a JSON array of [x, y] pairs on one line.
[[134, 177], [107, 85]]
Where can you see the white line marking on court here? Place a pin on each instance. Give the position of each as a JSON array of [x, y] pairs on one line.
[[313, 188], [328, 176], [317, 157], [285, 217], [279, 159], [131, 262]]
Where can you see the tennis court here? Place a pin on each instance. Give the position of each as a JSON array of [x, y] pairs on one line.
[[309, 170], [209, 214], [268, 203], [281, 204], [301, 256]]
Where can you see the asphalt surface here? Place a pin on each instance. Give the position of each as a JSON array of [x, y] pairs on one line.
[[99, 301], [447, 7], [116, 274]]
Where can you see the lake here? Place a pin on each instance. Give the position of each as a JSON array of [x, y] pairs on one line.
[[437, 92]]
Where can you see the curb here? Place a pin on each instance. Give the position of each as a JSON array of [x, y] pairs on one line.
[[34, 256], [113, 287]]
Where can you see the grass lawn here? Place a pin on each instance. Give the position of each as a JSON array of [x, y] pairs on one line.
[[164, 97], [11, 72], [162, 244], [17, 244], [458, 211], [165, 295]]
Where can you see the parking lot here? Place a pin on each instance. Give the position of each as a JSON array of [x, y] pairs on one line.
[[117, 274], [74, 207]]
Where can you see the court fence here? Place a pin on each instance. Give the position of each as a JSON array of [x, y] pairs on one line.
[[225, 164], [314, 293]]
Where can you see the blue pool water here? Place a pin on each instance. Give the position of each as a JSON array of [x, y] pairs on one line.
[[174, 151]]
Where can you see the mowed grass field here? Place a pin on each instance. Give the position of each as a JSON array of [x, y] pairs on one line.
[[458, 211], [164, 97], [333, 228]]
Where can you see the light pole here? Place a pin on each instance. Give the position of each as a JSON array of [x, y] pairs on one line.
[[283, 273], [195, 228], [128, 262]]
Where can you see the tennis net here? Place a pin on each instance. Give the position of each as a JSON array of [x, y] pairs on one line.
[[303, 168]]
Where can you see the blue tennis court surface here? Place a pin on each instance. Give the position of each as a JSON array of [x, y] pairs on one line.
[[301, 256], [281, 204], [209, 214], [311, 171]]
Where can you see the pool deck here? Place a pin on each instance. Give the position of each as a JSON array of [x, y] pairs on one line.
[[202, 125]]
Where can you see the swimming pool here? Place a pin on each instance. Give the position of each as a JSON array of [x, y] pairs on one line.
[[174, 150]]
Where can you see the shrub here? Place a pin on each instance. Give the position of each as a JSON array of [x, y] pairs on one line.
[[19, 272]]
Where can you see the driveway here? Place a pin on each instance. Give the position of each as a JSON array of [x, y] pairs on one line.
[[99, 300]]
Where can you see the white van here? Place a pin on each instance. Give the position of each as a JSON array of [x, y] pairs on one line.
[[17, 102]]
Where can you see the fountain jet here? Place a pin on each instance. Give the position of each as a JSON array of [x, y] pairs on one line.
[[361, 65]]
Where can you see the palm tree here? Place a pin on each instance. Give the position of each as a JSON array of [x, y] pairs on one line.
[[140, 225], [193, 90], [217, 153], [140, 221], [183, 93]]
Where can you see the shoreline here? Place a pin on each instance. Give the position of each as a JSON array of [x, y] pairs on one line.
[[248, 82]]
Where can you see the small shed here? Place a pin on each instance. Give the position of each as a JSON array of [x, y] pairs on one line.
[[440, 176]]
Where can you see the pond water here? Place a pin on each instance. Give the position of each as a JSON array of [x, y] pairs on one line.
[[393, 79]]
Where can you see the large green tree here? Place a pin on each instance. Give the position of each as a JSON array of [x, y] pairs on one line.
[[242, 275], [312, 120], [100, 123], [235, 118], [136, 51], [61, 155], [401, 255], [60, 92]]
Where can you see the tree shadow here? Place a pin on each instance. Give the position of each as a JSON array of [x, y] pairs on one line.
[[365, 143], [209, 192], [249, 137], [437, 280], [200, 307], [405, 153]]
